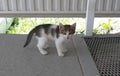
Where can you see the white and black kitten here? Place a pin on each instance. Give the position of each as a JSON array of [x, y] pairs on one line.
[[58, 33]]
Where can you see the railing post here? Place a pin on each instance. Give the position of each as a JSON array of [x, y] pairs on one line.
[[90, 17]]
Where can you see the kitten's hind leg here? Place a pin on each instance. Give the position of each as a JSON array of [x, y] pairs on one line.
[[46, 46], [41, 43]]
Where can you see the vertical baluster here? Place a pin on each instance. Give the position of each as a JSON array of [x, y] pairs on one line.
[[96, 5], [47, 5], [4, 5], [100, 5], [83, 5], [56, 5], [73, 4], [66, 5], [117, 5], [62, 5], [113, 5], [9, 5], [13, 5], [79, 5], [1, 5], [108, 5], [39, 5], [21, 5], [30, 5]]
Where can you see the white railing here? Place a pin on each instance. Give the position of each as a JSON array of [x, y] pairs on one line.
[[57, 7], [43, 5]]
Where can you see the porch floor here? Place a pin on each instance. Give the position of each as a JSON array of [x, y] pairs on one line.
[[18, 61]]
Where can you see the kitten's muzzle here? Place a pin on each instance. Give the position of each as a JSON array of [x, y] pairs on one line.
[[68, 37]]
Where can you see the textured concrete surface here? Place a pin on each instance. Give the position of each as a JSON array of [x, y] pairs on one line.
[[18, 61]]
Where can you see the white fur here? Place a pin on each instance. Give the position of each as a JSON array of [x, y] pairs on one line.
[[59, 45], [43, 40]]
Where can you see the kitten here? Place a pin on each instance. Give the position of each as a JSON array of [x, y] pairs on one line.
[[58, 33]]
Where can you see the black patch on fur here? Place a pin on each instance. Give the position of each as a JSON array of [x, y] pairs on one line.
[[48, 30], [40, 27], [53, 32], [57, 32], [67, 27], [37, 31]]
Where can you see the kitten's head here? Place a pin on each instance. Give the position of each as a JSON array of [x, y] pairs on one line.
[[67, 30]]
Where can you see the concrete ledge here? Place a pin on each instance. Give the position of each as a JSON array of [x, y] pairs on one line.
[[18, 61]]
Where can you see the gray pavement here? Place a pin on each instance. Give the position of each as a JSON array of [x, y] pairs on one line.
[[18, 61]]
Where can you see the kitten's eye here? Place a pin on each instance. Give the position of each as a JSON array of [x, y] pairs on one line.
[[64, 33], [62, 30], [71, 32]]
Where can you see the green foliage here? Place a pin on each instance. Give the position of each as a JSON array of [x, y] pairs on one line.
[[14, 24], [104, 27], [5, 24], [24, 25]]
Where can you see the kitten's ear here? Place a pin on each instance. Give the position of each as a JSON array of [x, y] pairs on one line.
[[74, 24], [61, 26]]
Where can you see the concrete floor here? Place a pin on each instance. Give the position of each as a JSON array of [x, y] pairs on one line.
[[18, 61]]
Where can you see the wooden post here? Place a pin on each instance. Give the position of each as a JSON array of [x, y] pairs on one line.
[[90, 17]]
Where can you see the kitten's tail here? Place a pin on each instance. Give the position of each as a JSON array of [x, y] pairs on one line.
[[29, 37]]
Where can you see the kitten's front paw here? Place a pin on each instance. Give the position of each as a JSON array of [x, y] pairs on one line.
[[61, 54], [44, 52]]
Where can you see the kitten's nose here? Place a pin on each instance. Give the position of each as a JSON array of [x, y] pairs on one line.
[[67, 37]]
